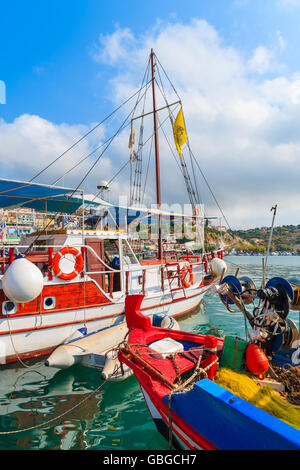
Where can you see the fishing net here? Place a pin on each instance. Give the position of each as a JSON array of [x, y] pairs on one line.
[[264, 397], [291, 379]]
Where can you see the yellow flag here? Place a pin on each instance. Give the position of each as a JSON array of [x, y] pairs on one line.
[[131, 138], [179, 132]]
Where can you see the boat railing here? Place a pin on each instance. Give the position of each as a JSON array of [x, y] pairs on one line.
[[198, 263], [43, 256]]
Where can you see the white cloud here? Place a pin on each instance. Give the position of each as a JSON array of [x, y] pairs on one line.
[[116, 46], [261, 60], [264, 59], [242, 123], [281, 41], [241, 120], [30, 143]]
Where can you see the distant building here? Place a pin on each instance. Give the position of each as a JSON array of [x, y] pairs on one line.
[[221, 228]]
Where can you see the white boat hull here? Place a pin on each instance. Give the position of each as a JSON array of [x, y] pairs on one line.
[[34, 335]]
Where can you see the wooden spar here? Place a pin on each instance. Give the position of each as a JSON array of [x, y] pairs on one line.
[[158, 194], [159, 109]]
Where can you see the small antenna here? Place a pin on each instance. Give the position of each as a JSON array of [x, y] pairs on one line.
[[274, 208]]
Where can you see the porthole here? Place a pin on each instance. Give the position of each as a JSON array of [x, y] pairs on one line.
[[49, 302], [9, 307]]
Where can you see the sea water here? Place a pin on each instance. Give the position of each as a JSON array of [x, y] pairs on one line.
[[114, 416]]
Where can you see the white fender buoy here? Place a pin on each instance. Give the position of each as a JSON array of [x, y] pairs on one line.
[[23, 281], [217, 265], [112, 369], [169, 322], [64, 356]]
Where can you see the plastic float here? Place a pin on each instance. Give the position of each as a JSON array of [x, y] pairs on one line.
[[23, 281], [99, 350]]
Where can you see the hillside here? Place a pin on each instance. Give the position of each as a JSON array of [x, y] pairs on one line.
[[286, 238]]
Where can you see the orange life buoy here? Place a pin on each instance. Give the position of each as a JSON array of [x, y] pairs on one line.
[[78, 267], [187, 269]]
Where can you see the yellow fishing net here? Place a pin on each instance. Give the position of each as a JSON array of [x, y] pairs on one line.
[[264, 397]]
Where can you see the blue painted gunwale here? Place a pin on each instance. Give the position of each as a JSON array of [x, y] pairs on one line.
[[230, 422]]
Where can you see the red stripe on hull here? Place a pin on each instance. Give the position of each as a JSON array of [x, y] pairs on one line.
[[163, 411], [57, 325], [29, 355], [69, 296]]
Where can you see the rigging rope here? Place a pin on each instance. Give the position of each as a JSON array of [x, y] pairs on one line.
[[88, 133], [192, 155], [135, 189], [210, 189], [110, 140]]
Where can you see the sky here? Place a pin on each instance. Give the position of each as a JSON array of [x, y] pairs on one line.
[[65, 65]]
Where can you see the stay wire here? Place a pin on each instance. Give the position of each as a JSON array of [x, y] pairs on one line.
[[85, 135], [135, 189], [146, 141], [167, 77], [210, 189], [85, 157], [193, 192], [147, 171], [76, 189], [192, 155], [111, 140], [123, 126]]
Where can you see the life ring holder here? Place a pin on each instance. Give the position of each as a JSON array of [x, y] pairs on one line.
[[79, 263], [187, 269]]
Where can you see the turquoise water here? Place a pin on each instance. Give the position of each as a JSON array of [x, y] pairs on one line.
[[115, 417]]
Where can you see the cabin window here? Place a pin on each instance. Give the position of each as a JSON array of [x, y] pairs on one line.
[[9, 307], [111, 250], [49, 302], [128, 255], [112, 258]]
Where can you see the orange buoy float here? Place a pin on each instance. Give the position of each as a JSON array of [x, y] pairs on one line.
[[187, 270], [78, 267], [256, 361]]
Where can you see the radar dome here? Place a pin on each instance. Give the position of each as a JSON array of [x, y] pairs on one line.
[[102, 185]]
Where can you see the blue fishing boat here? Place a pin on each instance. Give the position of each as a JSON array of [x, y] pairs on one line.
[[194, 387]]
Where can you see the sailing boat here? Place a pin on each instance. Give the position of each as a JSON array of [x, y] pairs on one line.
[[60, 285]]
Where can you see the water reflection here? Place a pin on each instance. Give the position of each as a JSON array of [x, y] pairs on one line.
[[107, 419]]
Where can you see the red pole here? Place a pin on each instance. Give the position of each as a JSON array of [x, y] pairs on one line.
[[210, 342], [83, 255], [11, 255], [50, 253]]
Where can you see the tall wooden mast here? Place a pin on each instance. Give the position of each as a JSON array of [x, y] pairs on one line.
[[158, 194]]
